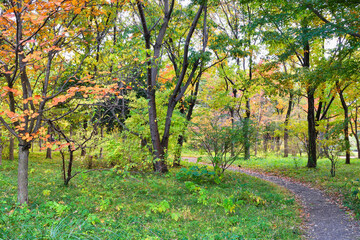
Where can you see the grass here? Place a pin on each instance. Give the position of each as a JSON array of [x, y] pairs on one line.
[[114, 205], [295, 167]]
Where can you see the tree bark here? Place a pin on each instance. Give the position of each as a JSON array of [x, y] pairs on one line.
[[23, 165]]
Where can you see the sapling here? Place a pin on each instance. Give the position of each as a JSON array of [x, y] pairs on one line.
[[332, 145]]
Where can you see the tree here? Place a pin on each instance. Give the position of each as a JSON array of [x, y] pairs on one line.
[[153, 60], [39, 75]]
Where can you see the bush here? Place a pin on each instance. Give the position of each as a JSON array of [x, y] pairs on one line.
[[196, 174], [126, 153], [222, 140]]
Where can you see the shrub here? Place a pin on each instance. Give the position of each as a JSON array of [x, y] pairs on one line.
[[196, 174]]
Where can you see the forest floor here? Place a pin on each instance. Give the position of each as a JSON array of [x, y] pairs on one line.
[[117, 204], [326, 219]]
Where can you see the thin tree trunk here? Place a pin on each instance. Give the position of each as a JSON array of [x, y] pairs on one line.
[[48, 150], [247, 130], [346, 127], [40, 144], [265, 142], [83, 152], [286, 124], [69, 170], [102, 136], [23, 163], [11, 148], [311, 130]]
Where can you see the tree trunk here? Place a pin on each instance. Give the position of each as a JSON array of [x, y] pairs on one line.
[[346, 127], [48, 150], [311, 129], [11, 148], [159, 161], [40, 144], [102, 136], [48, 153], [354, 130], [311, 106], [83, 152], [69, 170], [23, 163], [286, 124], [247, 130], [265, 142]]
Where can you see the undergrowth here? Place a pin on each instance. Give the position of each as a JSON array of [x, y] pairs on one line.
[[113, 205]]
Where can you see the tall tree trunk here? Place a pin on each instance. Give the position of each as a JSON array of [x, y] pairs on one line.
[[346, 127], [286, 124], [311, 130], [311, 106], [11, 148], [247, 130], [159, 163], [23, 165]]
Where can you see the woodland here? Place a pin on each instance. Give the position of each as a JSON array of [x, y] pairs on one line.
[[102, 103]]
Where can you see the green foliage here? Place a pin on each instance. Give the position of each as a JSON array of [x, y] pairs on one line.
[[196, 174], [123, 152], [161, 207], [222, 140], [355, 188], [59, 208]]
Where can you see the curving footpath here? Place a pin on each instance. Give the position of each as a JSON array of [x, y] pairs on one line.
[[326, 221]]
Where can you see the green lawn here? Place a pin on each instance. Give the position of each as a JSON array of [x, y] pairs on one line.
[[111, 205], [342, 185]]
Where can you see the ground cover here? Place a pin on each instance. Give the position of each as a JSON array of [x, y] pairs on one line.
[[344, 185], [117, 205]]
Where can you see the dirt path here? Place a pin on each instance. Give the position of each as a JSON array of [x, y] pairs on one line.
[[326, 221]]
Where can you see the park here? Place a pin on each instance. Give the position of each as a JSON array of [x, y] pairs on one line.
[[190, 119]]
